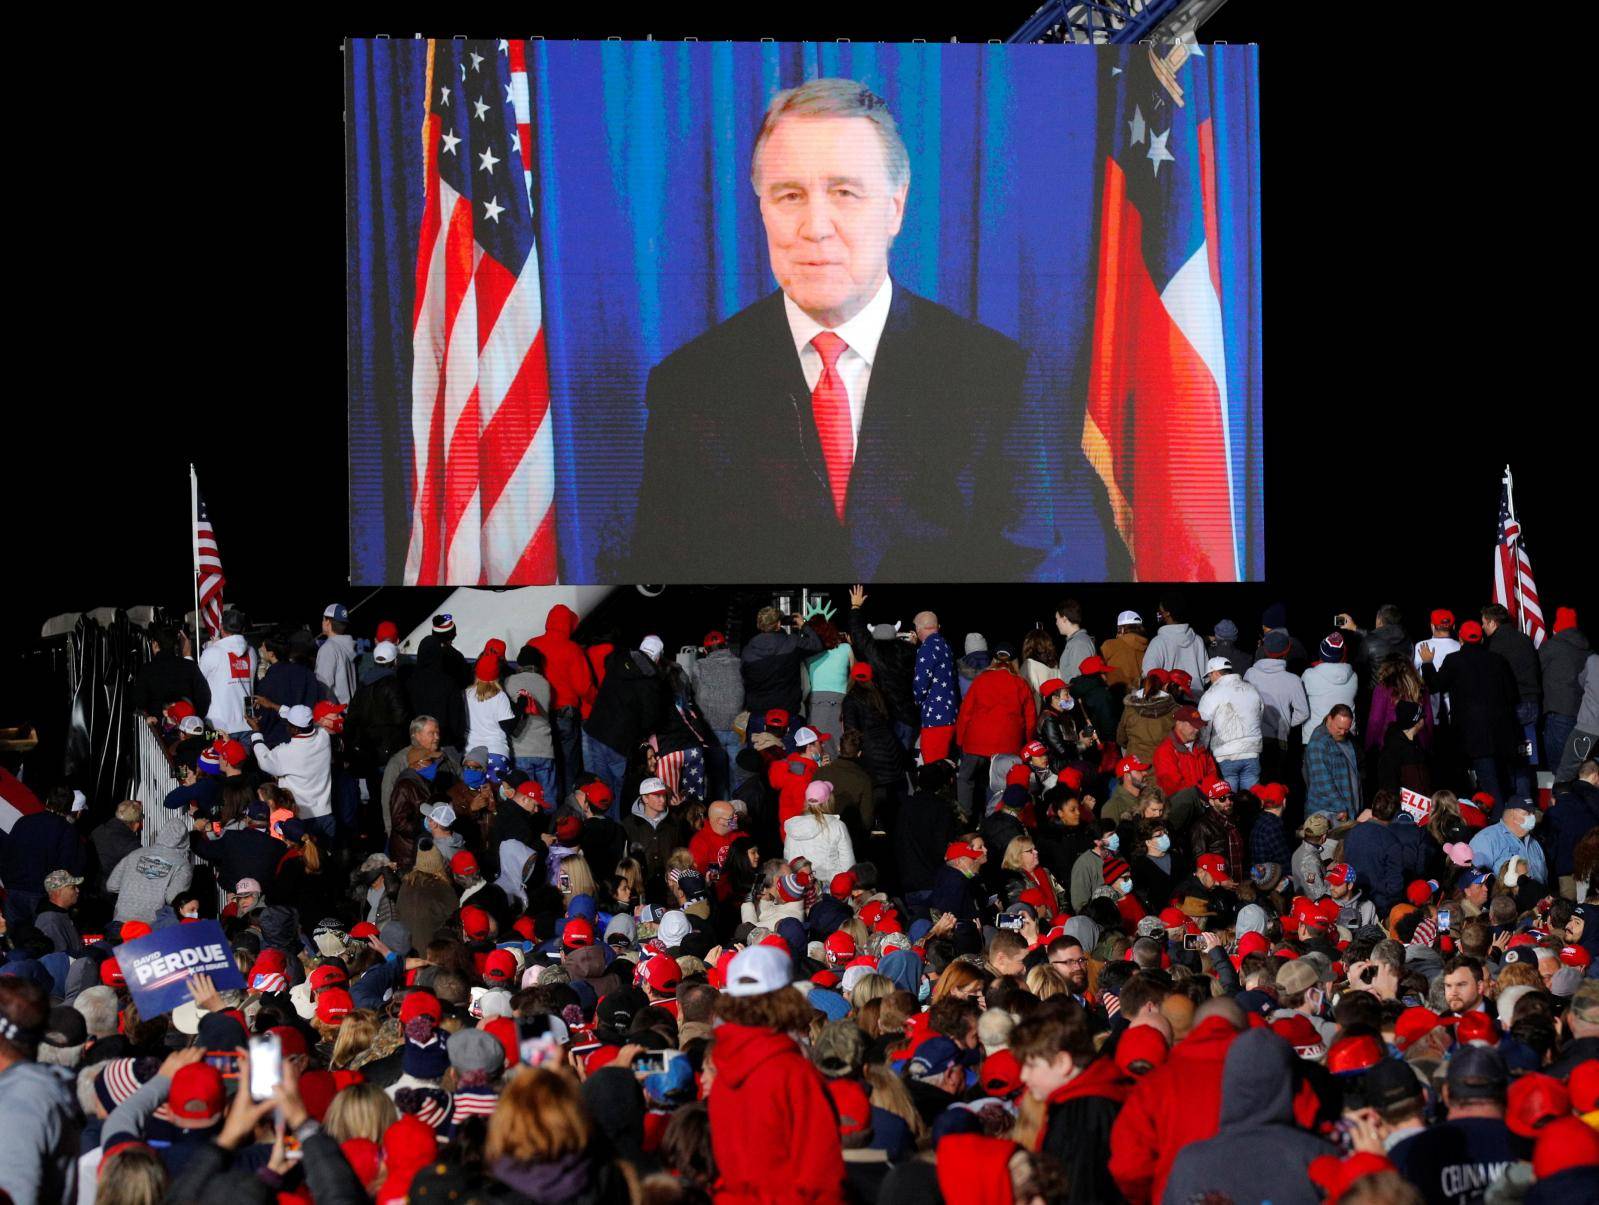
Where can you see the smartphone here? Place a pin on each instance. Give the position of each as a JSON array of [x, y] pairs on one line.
[[266, 1065], [1011, 921], [653, 1062], [1443, 920], [1193, 941], [225, 1061], [566, 881]]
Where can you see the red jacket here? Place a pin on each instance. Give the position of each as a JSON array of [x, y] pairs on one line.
[[566, 665], [1171, 1107], [997, 715], [1177, 768], [707, 847], [773, 1129], [789, 776]]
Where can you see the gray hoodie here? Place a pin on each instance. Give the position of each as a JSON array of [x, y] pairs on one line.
[[1327, 684], [335, 667], [1284, 705], [148, 878], [1178, 646], [1258, 1153], [719, 688], [39, 1141]]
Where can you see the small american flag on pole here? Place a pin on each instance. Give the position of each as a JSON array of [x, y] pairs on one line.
[[207, 565], [483, 472], [1514, 588]]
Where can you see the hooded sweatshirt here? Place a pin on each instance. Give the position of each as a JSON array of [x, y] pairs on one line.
[[719, 688], [1284, 705], [1258, 1154], [1178, 646], [146, 879], [566, 665], [1078, 1126], [229, 668], [773, 1129], [335, 667], [1327, 683], [39, 1141]]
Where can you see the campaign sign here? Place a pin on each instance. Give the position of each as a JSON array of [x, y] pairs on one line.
[[157, 967], [1419, 806]]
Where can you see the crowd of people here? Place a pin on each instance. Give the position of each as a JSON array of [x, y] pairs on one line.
[[832, 914]]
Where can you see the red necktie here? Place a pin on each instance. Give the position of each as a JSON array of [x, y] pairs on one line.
[[830, 405]]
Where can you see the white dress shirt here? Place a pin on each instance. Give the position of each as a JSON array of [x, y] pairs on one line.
[[862, 333]]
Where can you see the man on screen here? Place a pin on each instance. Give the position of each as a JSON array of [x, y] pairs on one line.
[[841, 427]]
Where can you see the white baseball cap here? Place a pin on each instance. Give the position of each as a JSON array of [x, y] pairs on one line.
[[805, 736], [1127, 617], [442, 814], [758, 970], [299, 715], [652, 786], [190, 725], [651, 647], [1216, 663], [385, 652]]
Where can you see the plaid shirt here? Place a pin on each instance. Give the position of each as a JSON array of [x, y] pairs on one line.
[[1268, 841], [1332, 775]]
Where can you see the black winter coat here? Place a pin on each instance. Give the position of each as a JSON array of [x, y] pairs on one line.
[[1561, 660], [1516, 647], [378, 724], [1482, 700], [893, 665], [166, 678], [39, 844], [1102, 704], [436, 688], [632, 703], [1403, 763], [927, 824], [882, 756], [771, 667]]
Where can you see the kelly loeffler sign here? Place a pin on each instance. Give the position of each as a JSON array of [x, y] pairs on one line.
[[157, 967]]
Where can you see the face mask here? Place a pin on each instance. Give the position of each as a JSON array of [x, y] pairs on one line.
[[1163, 842], [1125, 886], [473, 778], [1113, 842], [924, 991], [428, 770], [1532, 822]]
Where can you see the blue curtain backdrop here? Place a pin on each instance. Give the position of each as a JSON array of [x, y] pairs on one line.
[[649, 234]]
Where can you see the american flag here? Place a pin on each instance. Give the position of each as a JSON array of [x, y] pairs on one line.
[[483, 474], [208, 568], [1514, 589], [1157, 428]]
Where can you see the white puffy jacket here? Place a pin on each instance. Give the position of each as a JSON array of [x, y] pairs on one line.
[[1231, 711], [822, 839]]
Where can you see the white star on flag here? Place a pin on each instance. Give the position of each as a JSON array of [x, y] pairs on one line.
[[444, 95], [481, 109], [1158, 153], [477, 61], [505, 47], [1136, 126], [449, 142], [493, 209], [488, 160], [516, 141]]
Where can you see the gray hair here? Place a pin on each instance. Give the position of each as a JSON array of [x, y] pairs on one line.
[[130, 811], [836, 98], [99, 1008], [421, 722]]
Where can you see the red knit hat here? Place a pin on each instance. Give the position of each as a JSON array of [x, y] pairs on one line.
[[1565, 617], [1114, 869], [487, 668]]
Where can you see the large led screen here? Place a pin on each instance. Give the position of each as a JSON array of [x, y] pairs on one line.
[[757, 312]]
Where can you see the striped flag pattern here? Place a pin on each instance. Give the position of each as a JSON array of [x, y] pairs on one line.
[[208, 565], [1514, 587], [483, 470], [1157, 429]]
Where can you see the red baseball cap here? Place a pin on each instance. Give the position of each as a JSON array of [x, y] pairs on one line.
[[1297, 1031], [420, 1004], [324, 709], [959, 849], [474, 922], [1443, 617], [1575, 956], [842, 885], [1001, 1075], [1141, 1044], [329, 974], [1354, 1054], [1130, 765], [840, 947], [1094, 665], [579, 931], [532, 789], [568, 828], [1416, 1023], [464, 864], [776, 717], [1475, 1026], [111, 974], [499, 967], [1563, 1144], [1420, 891], [662, 973], [1215, 865], [1220, 789], [197, 1096], [1189, 715], [523, 927], [290, 1040], [387, 630], [861, 671], [132, 930], [1035, 749], [333, 1004], [596, 792], [1051, 688], [823, 978], [713, 640], [181, 709], [1534, 1100], [1270, 794], [1471, 632], [362, 930], [231, 751], [1340, 874], [503, 1030], [1019, 775]]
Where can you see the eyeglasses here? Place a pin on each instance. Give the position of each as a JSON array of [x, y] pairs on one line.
[[1068, 962]]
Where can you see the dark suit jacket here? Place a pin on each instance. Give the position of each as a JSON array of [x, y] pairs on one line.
[[735, 485]]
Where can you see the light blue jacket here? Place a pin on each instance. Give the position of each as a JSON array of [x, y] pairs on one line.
[[1494, 846]]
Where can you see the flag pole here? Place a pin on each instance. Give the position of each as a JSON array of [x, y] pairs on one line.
[[194, 548]]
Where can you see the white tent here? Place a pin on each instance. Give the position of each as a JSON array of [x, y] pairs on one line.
[[515, 615]]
